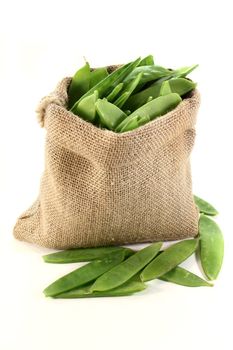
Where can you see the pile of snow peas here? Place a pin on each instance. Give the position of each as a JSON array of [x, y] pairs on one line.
[[130, 96], [121, 271]]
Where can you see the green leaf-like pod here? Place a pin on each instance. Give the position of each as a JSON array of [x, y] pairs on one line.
[[149, 73], [114, 93], [97, 75], [165, 88], [79, 85], [109, 114], [184, 71], [128, 90], [168, 259], [205, 207], [183, 277], [211, 247], [147, 61], [86, 107]]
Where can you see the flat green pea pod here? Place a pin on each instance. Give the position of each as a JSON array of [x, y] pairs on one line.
[[109, 114], [84, 274], [97, 75], [181, 86], [127, 269], [153, 109], [86, 107], [128, 288], [183, 277], [79, 85], [105, 86], [165, 88], [135, 122], [147, 61], [83, 254], [128, 90], [114, 93], [168, 259], [183, 71], [149, 73], [211, 247], [205, 207]]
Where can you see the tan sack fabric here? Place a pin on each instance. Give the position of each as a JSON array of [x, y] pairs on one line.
[[105, 188]]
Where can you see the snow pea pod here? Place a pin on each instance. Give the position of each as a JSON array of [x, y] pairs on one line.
[[83, 254], [128, 91], [127, 269], [205, 207], [169, 259], [155, 108], [135, 122], [183, 277], [113, 94], [149, 73], [79, 85], [181, 86], [165, 88], [147, 61], [97, 75], [211, 247], [86, 107], [106, 85], [109, 114], [184, 71], [84, 274], [128, 288]]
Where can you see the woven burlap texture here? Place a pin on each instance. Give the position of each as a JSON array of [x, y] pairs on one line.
[[104, 188]]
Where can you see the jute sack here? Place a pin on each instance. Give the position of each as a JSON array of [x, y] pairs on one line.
[[105, 188]]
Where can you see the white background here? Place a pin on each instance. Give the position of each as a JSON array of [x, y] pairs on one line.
[[43, 41]]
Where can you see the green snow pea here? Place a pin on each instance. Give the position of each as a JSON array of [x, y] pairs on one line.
[[147, 61], [86, 107], [105, 86], [211, 247], [205, 207], [114, 93], [168, 259], [128, 90], [165, 88], [127, 269], [183, 71], [135, 122], [181, 276], [128, 288], [84, 274], [97, 75], [155, 108], [79, 85], [83, 254], [109, 114], [181, 86], [149, 73]]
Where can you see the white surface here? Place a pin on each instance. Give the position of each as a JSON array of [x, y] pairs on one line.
[[41, 42]]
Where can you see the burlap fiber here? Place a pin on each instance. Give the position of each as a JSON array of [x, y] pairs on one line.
[[104, 188]]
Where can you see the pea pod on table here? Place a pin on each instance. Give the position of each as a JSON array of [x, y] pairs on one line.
[[84, 254], [205, 207], [127, 269], [211, 247], [84, 274], [168, 259]]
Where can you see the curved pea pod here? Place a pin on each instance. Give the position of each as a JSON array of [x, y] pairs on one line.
[[211, 247], [109, 114], [128, 91], [205, 207], [135, 122], [183, 277], [153, 109], [84, 254], [184, 71], [84, 274], [127, 269], [97, 75], [105, 86], [168, 259], [126, 289], [79, 85], [147, 61], [165, 88], [86, 108], [149, 73], [114, 93]]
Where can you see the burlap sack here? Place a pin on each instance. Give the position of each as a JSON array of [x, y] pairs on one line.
[[103, 188]]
